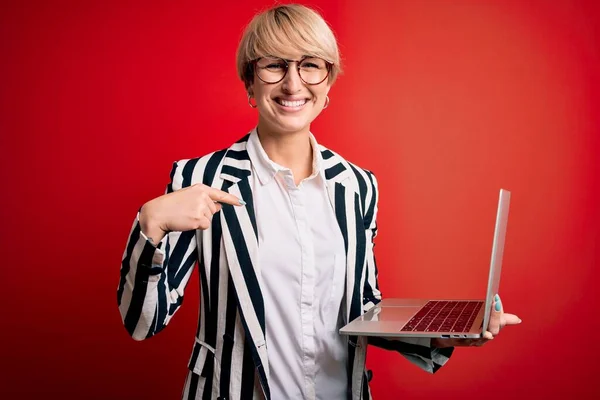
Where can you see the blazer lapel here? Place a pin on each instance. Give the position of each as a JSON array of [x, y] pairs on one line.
[[344, 197], [241, 248]]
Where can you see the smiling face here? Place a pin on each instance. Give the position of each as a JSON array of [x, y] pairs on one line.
[[288, 103], [291, 104]]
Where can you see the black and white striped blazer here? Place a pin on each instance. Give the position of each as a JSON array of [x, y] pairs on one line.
[[230, 354]]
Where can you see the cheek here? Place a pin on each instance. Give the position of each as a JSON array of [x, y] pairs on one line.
[[321, 93], [262, 91], [257, 90]]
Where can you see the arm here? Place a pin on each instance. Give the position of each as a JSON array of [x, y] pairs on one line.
[[153, 276], [419, 351]]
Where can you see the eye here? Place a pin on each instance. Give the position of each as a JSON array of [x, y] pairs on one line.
[[275, 66], [312, 63], [272, 64]]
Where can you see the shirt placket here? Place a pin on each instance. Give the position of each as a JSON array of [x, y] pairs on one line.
[[307, 286]]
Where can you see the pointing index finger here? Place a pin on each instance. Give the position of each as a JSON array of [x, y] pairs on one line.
[[224, 197]]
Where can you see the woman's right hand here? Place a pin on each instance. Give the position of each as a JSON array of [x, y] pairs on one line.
[[186, 209]]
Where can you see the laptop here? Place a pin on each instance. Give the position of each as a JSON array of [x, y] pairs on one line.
[[438, 318]]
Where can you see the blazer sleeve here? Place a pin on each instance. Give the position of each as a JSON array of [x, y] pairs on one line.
[[153, 276], [419, 351]]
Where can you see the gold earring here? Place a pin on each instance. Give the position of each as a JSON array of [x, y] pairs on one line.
[[250, 102]]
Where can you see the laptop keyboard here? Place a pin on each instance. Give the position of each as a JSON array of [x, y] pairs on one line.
[[444, 316]]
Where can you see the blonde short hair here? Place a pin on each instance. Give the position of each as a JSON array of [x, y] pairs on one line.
[[278, 30]]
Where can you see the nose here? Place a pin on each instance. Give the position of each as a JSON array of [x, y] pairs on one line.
[[291, 82]]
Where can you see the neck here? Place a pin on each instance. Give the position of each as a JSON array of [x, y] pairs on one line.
[[291, 150]]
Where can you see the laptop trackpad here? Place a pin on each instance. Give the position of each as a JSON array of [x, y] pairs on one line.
[[391, 314]]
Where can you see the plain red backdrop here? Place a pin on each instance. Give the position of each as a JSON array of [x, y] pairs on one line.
[[446, 101]]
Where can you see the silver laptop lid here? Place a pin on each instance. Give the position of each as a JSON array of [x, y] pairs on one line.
[[497, 253]]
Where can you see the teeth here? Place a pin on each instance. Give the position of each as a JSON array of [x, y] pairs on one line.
[[296, 103]]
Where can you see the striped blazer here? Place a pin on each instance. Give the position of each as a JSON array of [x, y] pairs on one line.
[[229, 354]]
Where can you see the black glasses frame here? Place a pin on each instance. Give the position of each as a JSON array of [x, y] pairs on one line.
[[287, 67]]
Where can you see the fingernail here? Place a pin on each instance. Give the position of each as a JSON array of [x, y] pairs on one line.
[[242, 202], [497, 306], [520, 321], [497, 298]]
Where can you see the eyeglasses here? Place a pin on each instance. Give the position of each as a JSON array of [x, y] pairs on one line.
[[312, 70]]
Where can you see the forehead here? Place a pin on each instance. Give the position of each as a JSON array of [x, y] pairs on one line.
[[283, 46], [283, 50]]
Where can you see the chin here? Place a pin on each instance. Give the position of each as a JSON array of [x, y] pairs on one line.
[[288, 128], [292, 125]]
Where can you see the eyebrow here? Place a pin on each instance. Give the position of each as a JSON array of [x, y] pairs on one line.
[[290, 60]]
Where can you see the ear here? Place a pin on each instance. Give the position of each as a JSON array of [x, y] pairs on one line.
[[249, 87]]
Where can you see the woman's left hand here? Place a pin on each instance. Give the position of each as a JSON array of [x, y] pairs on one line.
[[498, 320]]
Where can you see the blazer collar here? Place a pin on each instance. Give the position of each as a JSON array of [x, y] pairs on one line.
[[237, 165]]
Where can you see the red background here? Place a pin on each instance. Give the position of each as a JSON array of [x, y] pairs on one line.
[[446, 101]]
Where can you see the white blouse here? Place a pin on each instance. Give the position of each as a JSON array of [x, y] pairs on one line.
[[303, 264]]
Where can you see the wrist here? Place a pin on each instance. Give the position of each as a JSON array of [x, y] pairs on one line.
[[150, 225]]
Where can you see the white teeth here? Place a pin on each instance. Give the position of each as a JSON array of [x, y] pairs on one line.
[[297, 103]]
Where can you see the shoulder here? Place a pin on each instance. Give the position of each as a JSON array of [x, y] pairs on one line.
[[203, 169], [206, 169], [363, 178]]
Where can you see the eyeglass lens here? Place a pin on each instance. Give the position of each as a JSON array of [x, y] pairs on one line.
[[312, 70]]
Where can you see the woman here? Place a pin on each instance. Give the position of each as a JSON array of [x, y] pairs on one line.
[[282, 230]]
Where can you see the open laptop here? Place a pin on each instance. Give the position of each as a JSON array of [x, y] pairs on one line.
[[438, 318]]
